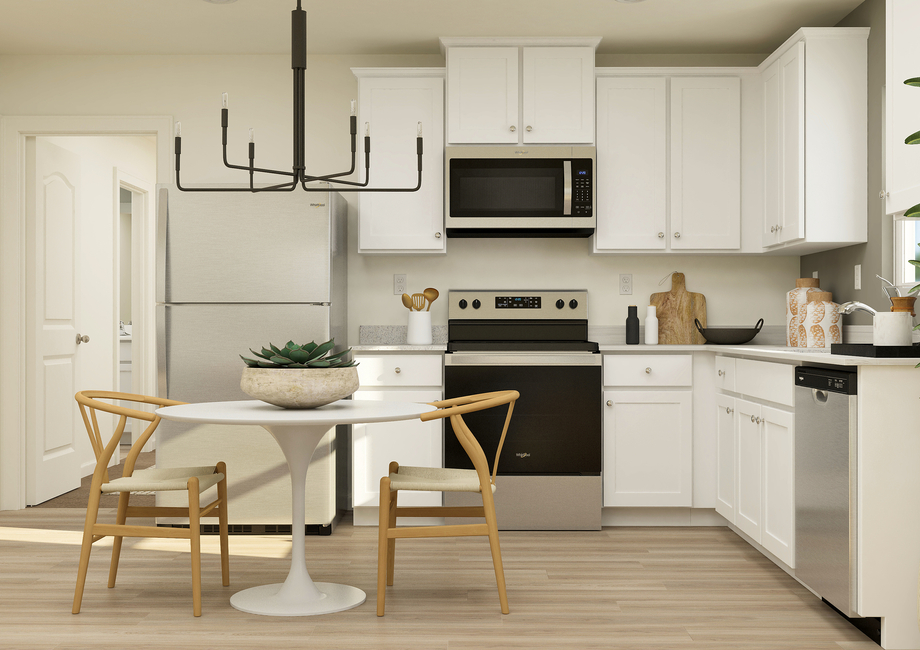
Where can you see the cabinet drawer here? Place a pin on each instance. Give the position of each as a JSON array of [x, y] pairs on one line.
[[400, 370], [773, 382], [725, 373], [648, 370]]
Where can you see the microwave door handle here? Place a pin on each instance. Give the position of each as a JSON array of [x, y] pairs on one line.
[[567, 188]]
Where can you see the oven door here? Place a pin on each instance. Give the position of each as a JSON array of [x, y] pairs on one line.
[[556, 425]]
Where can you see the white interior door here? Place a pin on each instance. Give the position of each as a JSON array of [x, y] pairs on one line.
[[53, 461]]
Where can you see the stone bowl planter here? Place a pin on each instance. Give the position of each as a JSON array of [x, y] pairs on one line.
[[299, 388]]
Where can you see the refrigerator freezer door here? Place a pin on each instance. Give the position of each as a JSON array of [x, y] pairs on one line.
[[199, 347], [270, 247]]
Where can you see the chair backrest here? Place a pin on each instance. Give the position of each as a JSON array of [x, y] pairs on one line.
[[90, 401], [456, 407]]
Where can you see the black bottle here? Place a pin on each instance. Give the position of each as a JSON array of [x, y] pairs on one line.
[[632, 327]]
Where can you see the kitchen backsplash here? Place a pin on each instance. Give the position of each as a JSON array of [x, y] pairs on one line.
[[396, 335]]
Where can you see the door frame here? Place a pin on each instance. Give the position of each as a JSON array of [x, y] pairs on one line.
[[13, 408]]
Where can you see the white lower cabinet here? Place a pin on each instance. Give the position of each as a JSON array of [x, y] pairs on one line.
[[395, 378], [756, 472], [648, 448]]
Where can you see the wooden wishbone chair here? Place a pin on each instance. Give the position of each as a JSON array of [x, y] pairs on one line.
[[445, 480], [193, 479]]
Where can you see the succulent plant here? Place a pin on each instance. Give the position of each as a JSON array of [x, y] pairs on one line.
[[308, 355]]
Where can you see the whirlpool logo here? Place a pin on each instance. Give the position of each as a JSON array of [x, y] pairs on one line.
[[317, 205], [522, 454]]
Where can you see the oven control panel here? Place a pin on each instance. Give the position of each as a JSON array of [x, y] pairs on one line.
[[569, 304]]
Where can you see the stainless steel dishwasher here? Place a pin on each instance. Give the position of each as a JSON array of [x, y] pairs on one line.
[[825, 485]]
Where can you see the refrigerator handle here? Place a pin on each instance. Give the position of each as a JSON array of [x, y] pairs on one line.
[[162, 375], [162, 223]]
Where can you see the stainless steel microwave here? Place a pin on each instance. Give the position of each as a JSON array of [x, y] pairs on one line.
[[520, 191]]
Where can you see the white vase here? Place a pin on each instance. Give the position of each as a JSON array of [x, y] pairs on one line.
[[821, 326], [651, 326], [419, 329], [892, 328], [796, 301]]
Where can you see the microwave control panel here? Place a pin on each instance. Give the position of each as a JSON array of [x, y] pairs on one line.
[[582, 180]]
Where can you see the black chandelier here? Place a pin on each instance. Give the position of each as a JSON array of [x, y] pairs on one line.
[[298, 175]]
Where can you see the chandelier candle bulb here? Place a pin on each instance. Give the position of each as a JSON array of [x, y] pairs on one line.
[[367, 129], [178, 129], [252, 135], [352, 107], [225, 101], [419, 129]]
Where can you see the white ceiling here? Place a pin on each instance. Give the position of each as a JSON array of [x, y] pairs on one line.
[[402, 26]]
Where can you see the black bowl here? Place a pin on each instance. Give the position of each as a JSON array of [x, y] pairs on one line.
[[728, 335]]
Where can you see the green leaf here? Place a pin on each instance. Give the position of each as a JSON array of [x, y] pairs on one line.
[[284, 352], [292, 346], [915, 288], [267, 364], [309, 347], [322, 349], [913, 211], [320, 364], [266, 353], [274, 349], [252, 363], [283, 361], [261, 355], [300, 356], [913, 138], [913, 81]]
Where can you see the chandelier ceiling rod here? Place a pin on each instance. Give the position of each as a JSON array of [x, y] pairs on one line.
[[298, 175]]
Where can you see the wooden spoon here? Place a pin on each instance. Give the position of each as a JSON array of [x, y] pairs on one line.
[[407, 301], [418, 301], [431, 295]]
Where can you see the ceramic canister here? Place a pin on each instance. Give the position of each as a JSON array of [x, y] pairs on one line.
[[821, 326], [795, 310]]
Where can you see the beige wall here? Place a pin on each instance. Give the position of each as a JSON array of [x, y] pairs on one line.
[[739, 290], [835, 268]]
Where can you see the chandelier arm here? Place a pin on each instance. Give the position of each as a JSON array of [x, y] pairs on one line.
[[335, 188], [258, 169]]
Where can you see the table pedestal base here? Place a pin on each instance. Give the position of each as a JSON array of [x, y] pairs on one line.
[[268, 601]]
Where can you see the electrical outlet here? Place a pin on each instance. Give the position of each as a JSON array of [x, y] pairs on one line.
[[857, 279], [625, 284], [399, 284], [814, 274]]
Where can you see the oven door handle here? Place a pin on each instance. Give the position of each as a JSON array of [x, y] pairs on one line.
[[567, 188], [526, 359]]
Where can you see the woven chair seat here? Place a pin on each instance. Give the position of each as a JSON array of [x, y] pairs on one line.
[[172, 478], [435, 479]]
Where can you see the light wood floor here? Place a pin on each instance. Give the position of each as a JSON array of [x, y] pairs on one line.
[[645, 588]]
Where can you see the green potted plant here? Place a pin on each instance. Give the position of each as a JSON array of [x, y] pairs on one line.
[[299, 376]]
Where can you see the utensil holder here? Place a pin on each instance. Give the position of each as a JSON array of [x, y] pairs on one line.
[[892, 328], [419, 329]]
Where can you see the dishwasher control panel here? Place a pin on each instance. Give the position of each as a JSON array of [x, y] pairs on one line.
[[834, 381]]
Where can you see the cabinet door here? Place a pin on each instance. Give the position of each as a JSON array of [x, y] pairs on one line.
[[648, 448], [410, 442], [705, 163], [792, 64], [772, 155], [558, 95], [482, 92], [725, 456], [902, 105], [749, 476], [779, 483], [631, 163], [402, 221]]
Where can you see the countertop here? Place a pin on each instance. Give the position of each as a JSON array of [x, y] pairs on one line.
[[763, 352]]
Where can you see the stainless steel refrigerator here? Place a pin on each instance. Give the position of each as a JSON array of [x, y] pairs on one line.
[[238, 271]]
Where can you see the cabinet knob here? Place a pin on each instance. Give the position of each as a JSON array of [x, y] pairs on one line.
[[513, 128], [772, 228], [753, 419], [728, 410], [721, 373], [82, 339], [883, 194], [398, 370], [661, 235], [609, 402], [648, 371], [759, 420], [677, 235], [437, 235], [529, 129]]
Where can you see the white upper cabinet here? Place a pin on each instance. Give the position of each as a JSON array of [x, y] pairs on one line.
[[393, 101], [509, 92], [814, 130], [483, 95], [705, 163], [632, 159], [668, 184], [558, 95], [902, 105]]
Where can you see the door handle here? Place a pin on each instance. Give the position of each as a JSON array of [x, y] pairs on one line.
[[82, 339]]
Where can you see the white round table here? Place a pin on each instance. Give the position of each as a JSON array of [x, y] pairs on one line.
[[297, 432]]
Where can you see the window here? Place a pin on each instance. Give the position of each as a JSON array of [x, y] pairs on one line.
[[906, 248]]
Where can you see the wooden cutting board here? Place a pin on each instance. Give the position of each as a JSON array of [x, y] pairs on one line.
[[676, 310]]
